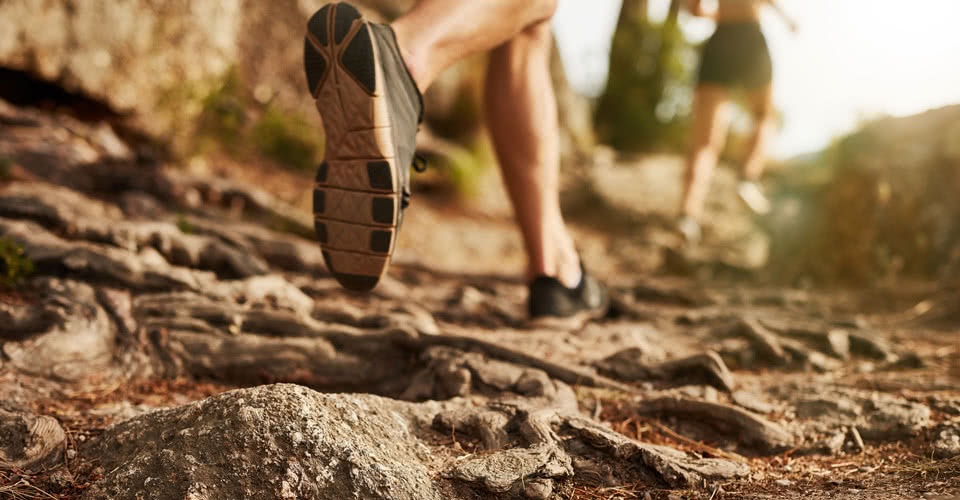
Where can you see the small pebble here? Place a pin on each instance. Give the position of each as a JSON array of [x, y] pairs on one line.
[[538, 489], [784, 482]]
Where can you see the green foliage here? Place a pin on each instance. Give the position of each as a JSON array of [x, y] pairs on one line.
[[646, 104], [15, 266], [5, 164], [224, 115], [287, 139], [233, 122], [457, 168], [469, 165], [184, 225]]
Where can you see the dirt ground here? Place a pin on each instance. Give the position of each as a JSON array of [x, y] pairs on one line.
[[867, 381]]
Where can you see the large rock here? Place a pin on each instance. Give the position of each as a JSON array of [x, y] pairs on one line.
[[128, 54], [271, 442], [158, 60]]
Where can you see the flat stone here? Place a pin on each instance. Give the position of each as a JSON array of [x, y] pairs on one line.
[[893, 418], [947, 442], [837, 408]]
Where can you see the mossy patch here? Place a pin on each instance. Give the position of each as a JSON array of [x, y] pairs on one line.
[[184, 225], [467, 166], [647, 102], [15, 265], [287, 139], [5, 165], [224, 117], [232, 121]]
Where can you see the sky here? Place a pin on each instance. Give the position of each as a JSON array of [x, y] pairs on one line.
[[851, 60]]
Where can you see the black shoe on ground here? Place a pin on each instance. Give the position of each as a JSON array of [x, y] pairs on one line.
[[371, 109], [549, 298]]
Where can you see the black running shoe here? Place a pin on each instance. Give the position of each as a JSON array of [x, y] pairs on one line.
[[550, 298], [371, 109]]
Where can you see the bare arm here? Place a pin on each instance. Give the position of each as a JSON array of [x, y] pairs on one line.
[[790, 22]]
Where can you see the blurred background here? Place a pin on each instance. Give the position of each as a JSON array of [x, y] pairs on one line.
[[864, 176]]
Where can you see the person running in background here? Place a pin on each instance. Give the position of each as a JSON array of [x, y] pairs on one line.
[[367, 81], [736, 57]]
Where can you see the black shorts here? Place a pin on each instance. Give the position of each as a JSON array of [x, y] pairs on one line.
[[736, 56]]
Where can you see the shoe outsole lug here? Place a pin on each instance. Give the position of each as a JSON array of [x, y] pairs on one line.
[[323, 172], [380, 241], [356, 192], [358, 175], [345, 15], [357, 59], [315, 65], [357, 282], [317, 25], [319, 201], [361, 208], [321, 230], [349, 268], [383, 210], [380, 175], [348, 237]]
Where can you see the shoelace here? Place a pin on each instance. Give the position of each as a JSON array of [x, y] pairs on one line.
[[419, 163], [419, 166]]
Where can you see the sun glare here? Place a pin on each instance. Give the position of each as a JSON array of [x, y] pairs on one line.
[[851, 60]]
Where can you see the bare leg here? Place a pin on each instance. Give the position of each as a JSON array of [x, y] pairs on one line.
[[761, 105], [710, 121], [522, 116], [521, 107], [435, 34]]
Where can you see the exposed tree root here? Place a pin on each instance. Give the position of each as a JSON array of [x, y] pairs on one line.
[[147, 273], [749, 429], [30, 442], [707, 369]]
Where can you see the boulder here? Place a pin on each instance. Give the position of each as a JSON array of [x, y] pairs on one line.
[[269, 442], [130, 55]]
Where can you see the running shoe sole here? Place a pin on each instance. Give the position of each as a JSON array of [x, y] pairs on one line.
[[356, 194]]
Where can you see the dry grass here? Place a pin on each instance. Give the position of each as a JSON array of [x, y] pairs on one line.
[[935, 469], [884, 470], [621, 417], [637, 492], [17, 487], [618, 493]]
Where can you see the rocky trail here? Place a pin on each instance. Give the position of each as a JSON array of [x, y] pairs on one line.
[[179, 338]]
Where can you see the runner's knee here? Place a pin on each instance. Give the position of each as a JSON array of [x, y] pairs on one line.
[[545, 9], [762, 113], [538, 35], [761, 108]]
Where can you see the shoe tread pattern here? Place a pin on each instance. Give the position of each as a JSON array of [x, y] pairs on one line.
[[356, 190]]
